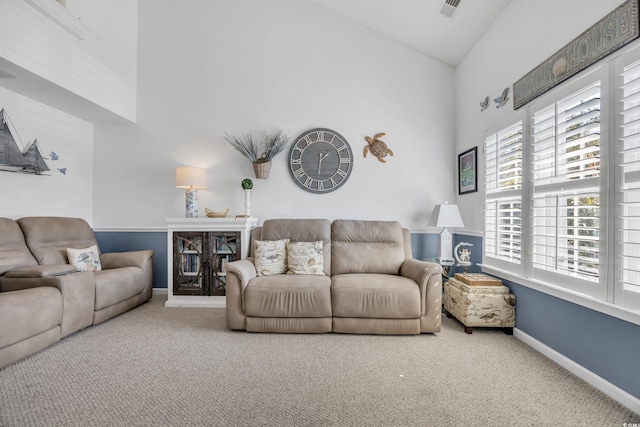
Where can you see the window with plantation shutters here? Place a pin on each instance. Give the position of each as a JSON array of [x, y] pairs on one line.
[[503, 202], [565, 167], [562, 190], [628, 195]]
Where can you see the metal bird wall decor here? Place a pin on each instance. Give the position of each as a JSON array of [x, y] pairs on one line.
[[503, 98], [484, 104]]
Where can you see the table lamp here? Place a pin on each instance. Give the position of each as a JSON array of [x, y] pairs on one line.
[[446, 215], [192, 179]]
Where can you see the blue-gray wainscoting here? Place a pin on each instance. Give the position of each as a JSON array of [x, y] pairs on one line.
[[606, 346], [424, 245]]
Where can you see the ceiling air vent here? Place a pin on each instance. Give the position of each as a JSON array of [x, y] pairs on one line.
[[449, 7]]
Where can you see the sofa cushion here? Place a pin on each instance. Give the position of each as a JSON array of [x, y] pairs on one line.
[[270, 256], [49, 237], [117, 285], [377, 296], [13, 249], [288, 296], [29, 312], [300, 230], [367, 247], [305, 258]]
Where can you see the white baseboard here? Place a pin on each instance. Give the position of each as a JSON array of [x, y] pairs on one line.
[[614, 392], [189, 301], [196, 301]]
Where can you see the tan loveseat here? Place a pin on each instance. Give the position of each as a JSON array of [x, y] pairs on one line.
[[43, 298], [370, 283]]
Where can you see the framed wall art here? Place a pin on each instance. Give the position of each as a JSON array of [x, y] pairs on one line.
[[468, 171]]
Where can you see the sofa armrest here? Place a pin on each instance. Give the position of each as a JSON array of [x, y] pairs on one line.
[[238, 275], [125, 259], [40, 271], [78, 295], [141, 259], [244, 269], [428, 276]]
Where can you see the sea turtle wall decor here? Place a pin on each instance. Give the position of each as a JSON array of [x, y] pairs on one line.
[[377, 147]]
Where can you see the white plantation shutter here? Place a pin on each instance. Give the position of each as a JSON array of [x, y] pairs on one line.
[[628, 209], [565, 213], [503, 194]]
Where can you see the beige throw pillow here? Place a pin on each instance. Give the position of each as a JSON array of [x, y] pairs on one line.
[[86, 259], [270, 257], [305, 258]]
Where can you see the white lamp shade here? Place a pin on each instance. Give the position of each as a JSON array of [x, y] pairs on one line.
[[446, 216], [190, 177]]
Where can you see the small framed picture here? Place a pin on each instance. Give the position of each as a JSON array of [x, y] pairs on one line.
[[468, 171]]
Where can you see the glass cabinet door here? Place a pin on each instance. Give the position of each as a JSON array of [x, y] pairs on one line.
[[225, 248], [188, 263]]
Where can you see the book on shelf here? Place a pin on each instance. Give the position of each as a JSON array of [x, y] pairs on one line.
[[223, 260], [190, 263]]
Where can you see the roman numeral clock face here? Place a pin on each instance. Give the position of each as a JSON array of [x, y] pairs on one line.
[[320, 160]]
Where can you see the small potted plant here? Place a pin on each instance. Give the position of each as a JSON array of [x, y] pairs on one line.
[[273, 144], [247, 184]]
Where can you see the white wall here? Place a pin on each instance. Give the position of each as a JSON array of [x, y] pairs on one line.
[[101, 70], [52, 193], [50, 64], [208, 67], [523, 36]]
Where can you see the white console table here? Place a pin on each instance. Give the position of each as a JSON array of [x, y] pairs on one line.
[[197, 251]]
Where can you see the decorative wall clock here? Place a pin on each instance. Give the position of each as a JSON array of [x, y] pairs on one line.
[[320, 160]]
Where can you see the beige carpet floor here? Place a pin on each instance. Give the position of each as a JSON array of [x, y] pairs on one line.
[[157, 366]]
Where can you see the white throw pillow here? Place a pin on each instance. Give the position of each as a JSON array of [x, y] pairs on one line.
[[270, 257], [87, 259], [305, 258]]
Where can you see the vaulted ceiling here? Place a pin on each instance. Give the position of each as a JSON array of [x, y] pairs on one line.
[[420, 25]]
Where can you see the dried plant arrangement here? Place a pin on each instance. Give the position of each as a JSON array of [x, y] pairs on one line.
[[272, 145]]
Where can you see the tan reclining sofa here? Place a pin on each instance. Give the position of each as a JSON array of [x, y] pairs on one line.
[[369, 282], [43, 298]]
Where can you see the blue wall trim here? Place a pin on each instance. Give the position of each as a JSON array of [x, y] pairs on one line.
[[607, 346]]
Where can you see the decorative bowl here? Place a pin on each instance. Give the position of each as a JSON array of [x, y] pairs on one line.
[[214, 214]]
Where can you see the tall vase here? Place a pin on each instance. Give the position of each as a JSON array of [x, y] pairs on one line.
[[247, 203]]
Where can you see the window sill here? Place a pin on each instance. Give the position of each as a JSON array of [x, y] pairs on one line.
[[621, 313]]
